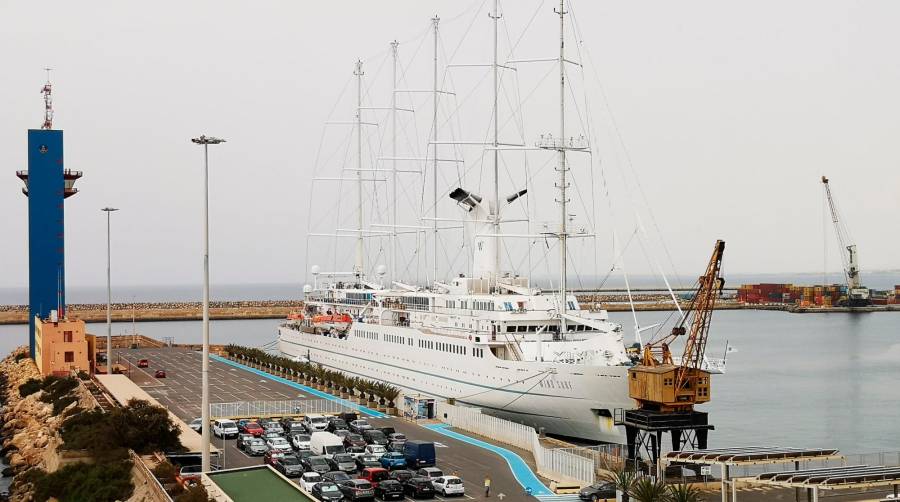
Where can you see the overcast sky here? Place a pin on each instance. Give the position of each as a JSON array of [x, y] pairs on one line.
[[729, 111]]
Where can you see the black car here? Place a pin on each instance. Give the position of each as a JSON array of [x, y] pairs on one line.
[[387, 430], [292, 426], [389, 489], [357, 489], [348, 416], [336, 424], [327, 490], [335, 476], [342, 462], [418, 487], [367, 461], [289, 465], [354, 441], [402, 475], [315, 464], [598, 491], [375, 436]]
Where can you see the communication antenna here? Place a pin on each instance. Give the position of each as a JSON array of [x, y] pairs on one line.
[[48, 102]]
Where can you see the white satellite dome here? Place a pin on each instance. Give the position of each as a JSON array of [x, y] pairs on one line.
[[315, 270], [307, 288], [381, 270]]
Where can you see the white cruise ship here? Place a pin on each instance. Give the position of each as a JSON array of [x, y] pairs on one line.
[[486, 338]]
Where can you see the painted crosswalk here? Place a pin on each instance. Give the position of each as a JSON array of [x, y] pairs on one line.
[[558, 498]]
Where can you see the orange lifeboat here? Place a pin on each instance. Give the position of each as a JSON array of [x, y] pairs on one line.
[[296, 316], [332, 322]]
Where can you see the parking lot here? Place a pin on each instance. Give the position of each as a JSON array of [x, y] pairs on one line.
[[180, 392]]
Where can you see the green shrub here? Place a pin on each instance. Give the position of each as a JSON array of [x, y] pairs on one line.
[[193, 494], [139, 426], [60, 404], [165, 472], [82, 375], [29, 387], [101, 482], [22, 355], [55, 388]]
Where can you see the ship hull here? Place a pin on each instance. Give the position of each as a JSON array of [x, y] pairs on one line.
[[564, 399]]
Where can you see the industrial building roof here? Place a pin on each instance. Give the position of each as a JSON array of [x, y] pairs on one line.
[[831, 478], [751, 455]]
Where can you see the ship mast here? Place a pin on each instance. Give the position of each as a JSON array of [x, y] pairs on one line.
[[394, 277], [434, 132], [562, 168], [358, 266], [496, 207]]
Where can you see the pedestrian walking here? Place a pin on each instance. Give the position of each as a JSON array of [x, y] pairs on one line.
[[487, 486]]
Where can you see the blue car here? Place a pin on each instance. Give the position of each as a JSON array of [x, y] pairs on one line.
[[393, 460]]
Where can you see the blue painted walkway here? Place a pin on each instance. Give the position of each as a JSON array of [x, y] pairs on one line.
[[324, 395], [519, 468]]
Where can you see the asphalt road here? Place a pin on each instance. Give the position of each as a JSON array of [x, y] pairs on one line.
[[180, 392]]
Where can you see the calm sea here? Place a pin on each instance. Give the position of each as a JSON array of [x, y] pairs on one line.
[[805, 380]]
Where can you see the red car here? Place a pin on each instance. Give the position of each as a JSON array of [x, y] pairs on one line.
[[253, 428], [272, 456], [160, 374], [143, 363]]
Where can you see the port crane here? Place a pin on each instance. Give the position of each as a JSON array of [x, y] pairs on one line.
[[666, 392], [857, 294]]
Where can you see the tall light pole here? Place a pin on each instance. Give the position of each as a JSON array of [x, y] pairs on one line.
[[204, 400], [109, 349]]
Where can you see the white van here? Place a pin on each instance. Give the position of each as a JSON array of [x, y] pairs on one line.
[[325, 444], [314, 422], [225, 428]]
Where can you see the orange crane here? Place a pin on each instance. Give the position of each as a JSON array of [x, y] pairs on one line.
[[658, 383]]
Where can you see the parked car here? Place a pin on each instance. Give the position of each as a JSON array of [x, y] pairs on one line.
[[326, 443], [354, 441], [375, 436], [430, 473], [302, 454], [389, 489], [418, 487], [402, 475], [292, 426], [335, 476], [342, 462], [272, 426], [357, 489], [387, 431], [314, 422], [289, 465], [250, 427], [160, 374], [271, 435], [143, 363], [326, 491], [347, 416], [396, 437], [374, 475], [188, 474], [256, 447], [364, 461], [279, 444], [358, 426], [309, 479], [375, 449], [271, 456], [300, 441], [398, 447], [241, 439], [225, 428], [197, 425], [449, 485], [598, 491], [419, 454], [342, 433], [393, 460], [315, 464], [336, 424]]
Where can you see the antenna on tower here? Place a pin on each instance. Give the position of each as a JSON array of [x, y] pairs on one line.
[[48, 102]]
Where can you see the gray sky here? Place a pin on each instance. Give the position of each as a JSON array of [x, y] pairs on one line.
[[730, 112]]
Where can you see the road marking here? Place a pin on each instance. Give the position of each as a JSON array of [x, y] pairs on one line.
[[440, 445]]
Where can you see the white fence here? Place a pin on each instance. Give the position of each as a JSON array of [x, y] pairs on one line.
[[276, 408], [552, 463]]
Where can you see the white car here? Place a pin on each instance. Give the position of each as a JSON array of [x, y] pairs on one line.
[[314, 422], [376, 450], [448, 485], [300, 441], [309, 479], [279, 444], [196, 424], [224, 428]]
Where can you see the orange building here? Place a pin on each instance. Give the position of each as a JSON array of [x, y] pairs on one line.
[[61, 346]]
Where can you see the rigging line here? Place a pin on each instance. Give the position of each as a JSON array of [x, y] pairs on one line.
[[466, 32], [505, 386], [537, 10], [527, 391], [618, 257]]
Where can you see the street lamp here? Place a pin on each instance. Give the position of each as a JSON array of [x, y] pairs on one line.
[[204, 400], [109, 349]]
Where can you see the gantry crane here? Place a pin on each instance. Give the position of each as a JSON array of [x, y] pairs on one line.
[[857, 294]]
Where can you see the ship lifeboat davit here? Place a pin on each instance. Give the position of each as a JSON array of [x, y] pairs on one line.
[[332, 322]]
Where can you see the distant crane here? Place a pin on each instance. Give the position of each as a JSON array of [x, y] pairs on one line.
[[857, 295]]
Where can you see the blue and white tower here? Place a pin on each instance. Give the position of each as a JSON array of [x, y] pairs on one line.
[[47, 184]]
